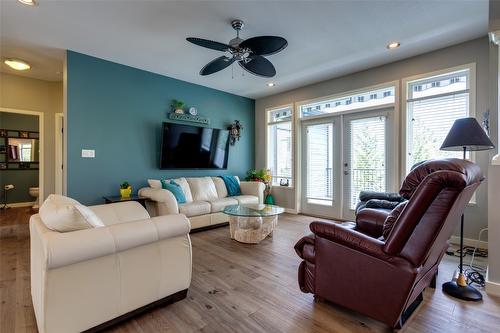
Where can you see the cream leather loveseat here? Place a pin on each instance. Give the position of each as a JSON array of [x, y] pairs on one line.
[[82, 279], [206, 197]]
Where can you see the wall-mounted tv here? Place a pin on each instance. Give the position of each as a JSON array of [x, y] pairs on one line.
[[193, 147]]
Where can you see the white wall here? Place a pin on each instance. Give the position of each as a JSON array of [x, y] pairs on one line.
[[475, 51]]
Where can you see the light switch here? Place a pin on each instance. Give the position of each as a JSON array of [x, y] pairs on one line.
[[88, 153]]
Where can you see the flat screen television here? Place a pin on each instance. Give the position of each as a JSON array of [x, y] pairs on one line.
[[193, 147]]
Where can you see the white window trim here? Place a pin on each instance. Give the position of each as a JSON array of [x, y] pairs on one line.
[[291, 106], [404, 98]]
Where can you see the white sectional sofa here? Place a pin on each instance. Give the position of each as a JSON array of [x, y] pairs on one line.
[[85, 279], [206, 197]]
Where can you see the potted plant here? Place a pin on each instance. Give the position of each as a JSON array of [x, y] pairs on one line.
[[177, 106], [264, 176], [125, 190]]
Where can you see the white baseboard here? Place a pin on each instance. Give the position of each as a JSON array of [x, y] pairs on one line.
[[20, 204], [492, 288], [291, 211], [469, 242]]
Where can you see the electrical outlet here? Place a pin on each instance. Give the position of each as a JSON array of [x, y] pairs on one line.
[[88, 153]]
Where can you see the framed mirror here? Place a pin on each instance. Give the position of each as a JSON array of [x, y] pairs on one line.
[[22, 150]]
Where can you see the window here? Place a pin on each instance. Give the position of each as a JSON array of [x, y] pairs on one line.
[[378, 97], [280, 145], [433, 104], [25, 152]]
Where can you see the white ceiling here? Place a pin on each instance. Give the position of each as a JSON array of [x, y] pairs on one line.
[[326, 39]]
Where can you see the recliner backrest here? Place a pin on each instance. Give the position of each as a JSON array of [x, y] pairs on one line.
[[438, 192]]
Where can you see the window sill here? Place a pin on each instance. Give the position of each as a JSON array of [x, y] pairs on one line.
[[283, 187]]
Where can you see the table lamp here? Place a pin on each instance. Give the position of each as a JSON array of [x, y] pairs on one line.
[[465, 134]]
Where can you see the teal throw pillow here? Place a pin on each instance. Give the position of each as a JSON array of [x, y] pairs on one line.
[[176, 190]]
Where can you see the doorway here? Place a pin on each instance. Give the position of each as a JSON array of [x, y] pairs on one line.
[[22, 155], [345, 154]]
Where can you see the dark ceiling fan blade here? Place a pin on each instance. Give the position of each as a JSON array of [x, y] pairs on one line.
[[209, 44], [260, 66], [216, 65], [264, 45]]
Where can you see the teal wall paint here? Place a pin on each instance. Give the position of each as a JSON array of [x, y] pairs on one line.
[[21, 179], [118, 111]]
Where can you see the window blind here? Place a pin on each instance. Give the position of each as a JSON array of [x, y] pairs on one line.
[[429, 121], [320, 175], [366, 157], [280, 151]]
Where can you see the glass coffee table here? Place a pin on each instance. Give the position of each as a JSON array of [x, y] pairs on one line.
[[252, 223]]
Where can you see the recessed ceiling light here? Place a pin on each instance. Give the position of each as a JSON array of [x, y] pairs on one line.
[[271, 84], [29, 2], [393, 45], [17, 64]]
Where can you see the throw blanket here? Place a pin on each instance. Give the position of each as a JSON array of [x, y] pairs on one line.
[[232, 185]]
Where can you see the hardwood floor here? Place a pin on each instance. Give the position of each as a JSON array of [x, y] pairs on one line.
[[241, 288]]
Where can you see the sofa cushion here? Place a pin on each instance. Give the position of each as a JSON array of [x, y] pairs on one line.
[[391, 219], [63, 214], [219, 204], [194, 208], [220, 187], [202, 188], [246, 199]]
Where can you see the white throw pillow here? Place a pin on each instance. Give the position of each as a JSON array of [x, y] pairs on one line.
[[63, 214], [154, 183]]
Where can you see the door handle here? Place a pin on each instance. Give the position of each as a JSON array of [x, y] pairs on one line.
[[346, 172]]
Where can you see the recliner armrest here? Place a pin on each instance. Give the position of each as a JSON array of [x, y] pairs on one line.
[[370, 221], [253, 188], [349, 238]]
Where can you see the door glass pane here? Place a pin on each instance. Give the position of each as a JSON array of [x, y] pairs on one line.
[[320, 164], [367, 153]]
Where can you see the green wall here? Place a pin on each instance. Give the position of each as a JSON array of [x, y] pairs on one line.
[[118, 111], [21, 179]]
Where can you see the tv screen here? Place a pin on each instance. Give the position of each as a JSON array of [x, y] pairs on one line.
[[193, 147]]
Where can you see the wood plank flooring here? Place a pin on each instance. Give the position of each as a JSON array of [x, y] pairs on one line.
[[240, 288]]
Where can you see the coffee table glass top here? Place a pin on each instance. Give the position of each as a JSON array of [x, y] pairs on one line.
[[253, 210]]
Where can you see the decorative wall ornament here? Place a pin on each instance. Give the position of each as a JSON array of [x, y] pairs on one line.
[[235, 132], [189, 118], [486, 122]]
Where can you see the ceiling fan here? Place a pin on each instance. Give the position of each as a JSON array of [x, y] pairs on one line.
[[249, 53]]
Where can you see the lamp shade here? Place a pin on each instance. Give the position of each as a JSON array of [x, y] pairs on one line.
[[466, 133]]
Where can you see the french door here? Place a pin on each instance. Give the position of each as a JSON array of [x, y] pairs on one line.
[[343, 155]]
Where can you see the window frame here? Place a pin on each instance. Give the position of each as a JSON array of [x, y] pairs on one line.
[[346, 94], [405, 97], [267, 123]]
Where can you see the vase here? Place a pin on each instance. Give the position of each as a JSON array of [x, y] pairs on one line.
[[269, 199], [126, 192]]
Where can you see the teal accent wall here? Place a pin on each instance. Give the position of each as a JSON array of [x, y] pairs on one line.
[[21, 179], [118, 111]]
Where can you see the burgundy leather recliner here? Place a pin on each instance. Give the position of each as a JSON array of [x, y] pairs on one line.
[[385, 279]]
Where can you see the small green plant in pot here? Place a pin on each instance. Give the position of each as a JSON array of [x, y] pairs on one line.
[[177, 106], [125, 190]]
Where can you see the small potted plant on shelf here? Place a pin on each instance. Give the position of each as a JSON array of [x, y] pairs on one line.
[[264, 176], [125, 190], [177, 106]]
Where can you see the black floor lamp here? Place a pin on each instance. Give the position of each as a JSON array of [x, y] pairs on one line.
[[465, 134]]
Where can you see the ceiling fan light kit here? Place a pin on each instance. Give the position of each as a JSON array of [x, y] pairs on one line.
[[249, 53]]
